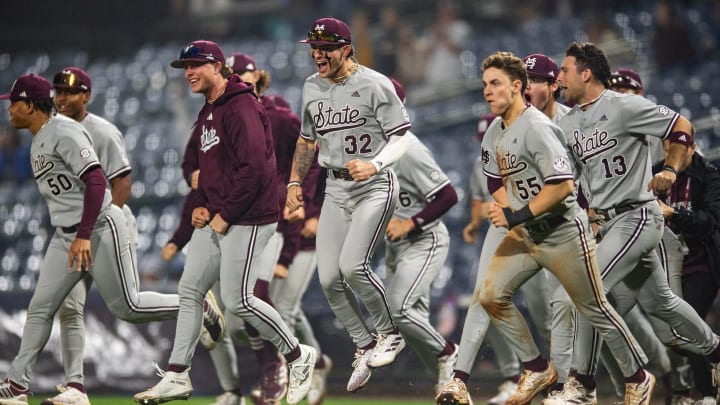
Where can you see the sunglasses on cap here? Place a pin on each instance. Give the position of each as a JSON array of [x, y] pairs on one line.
[[192, 51], [318, 35], [623, 81], [69, 80]]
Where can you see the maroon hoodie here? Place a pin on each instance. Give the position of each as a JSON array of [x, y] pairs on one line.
[[236, 158]]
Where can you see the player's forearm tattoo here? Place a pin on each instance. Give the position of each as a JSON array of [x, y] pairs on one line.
[[303, 159]]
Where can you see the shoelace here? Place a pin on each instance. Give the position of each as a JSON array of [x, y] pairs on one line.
[[358, 357], [160, 372], [570, 390]]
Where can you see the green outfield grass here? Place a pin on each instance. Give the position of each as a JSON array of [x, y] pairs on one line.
[[126, 399]]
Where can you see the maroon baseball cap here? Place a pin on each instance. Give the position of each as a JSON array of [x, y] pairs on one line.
[[328, 31], [29, 87], [399, 89], [199, 51], [484, 124], [241, 63], [72, 78], [626, 78], [279, 101], [541, 65]]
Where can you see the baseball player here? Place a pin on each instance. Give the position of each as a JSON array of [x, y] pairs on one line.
[[233, 224], [72, 93], [417, 245], [522, 149], [91, 235], [354, 115], [606, 131]]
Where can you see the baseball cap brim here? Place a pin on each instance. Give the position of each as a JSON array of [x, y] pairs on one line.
[[307, 41], [5, 96], [180, 63]]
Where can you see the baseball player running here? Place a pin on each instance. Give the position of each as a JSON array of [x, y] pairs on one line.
[[91, 235], [233, 224], [72, 92], [606, 131], [418, 244], [522, 149], [354, 115]]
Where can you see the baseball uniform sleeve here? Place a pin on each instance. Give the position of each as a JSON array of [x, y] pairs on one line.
[[549, 153], [77, 151], [307, 128], [642, 116], [109, 146], [488, 158], [389, 110], [478, 183]]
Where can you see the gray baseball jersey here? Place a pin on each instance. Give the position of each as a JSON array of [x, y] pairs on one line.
[[608, 141], [560, 111], [355, 122], [108, 144], [532, 138], [414, 261], [478, 182], [526, 156], [61, 152]]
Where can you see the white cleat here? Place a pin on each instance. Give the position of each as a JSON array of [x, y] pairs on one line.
[[361, 372], [67, 396], [9, 395], [229, 398], [388, 346], [446, 365], [505, 391], [172, 386], [300, 374], [318, 387]]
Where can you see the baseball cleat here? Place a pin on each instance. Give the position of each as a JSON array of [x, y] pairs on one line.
[[67, 396], [171, 387], [318, 388], [361, 372], [683, 400], [10, 395], [213, 321], [505, 391], [229, 398], [531, 383], [388, 346], [300, 374], [445, 367], [640, 393], [453, 393], [274, 381], [573, 392]]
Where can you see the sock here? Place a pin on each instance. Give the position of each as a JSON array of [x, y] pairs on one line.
[[515, 378], [368, 346], [293, 355], [269, 353], [538, 364], [320, 362], [448, 349], [714, 356], [177, 368], [257, 345], [638, 377], [461, 375], [587, 381], [78, 386]]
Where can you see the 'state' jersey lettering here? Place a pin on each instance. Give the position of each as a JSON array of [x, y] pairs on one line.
[[609, 142], [352, 119], [60, 153], [527, 155]]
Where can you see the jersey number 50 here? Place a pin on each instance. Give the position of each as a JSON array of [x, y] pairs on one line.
[[59, 183]]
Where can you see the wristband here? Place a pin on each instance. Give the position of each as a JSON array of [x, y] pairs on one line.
[[515, 218], [683, 138], [670, 169], [293, 184]]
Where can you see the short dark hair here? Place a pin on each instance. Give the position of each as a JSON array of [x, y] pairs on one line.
[[44, 105], [588, 56], [510, 64]]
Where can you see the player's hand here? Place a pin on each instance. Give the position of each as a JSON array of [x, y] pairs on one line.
[[309, 228], [168, 251], [218, 225], [195, 179], [295, 216], [281, 271], [398, 228], [667, 210], [661, 182], [361, 170], [294, 198], [470, 233], [200, 217], [497, 216], [80, 252]]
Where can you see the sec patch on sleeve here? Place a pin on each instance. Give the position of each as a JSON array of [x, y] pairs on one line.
[[85, 153], [560, 164]]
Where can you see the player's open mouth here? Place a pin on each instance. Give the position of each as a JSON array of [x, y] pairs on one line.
[[528, 98], [322, 67]]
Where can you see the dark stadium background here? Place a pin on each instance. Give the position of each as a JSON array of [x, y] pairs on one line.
[[126, 46]]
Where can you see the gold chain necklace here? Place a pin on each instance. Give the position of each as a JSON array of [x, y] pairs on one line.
[[351, 70]]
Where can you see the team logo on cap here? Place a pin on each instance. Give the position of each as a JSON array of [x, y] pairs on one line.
[[530, 63], [320, 27]]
